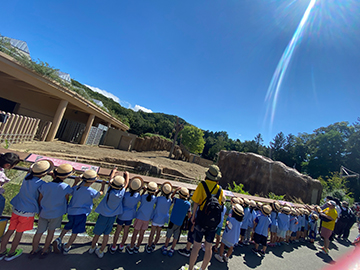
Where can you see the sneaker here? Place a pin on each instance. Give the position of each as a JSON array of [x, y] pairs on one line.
[[246, 243], [323, 250], [219, 258], [91, 250], [112, 249], [184, 252], [152, 247], [256, 251], [148, 248], [129, 249], [262, 253], [121, 247], [136, 249], [57, 245], [65, 250], [3, 255], [99, 253], [240, 244], [226, 258], [164, 251], [203, 247], [10, 257], [184, 268], [171, 252]]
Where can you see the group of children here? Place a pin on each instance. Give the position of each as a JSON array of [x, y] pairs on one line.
[[51, 200], [129, 201]]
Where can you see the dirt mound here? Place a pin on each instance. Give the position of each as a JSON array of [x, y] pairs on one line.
[[152, 161]]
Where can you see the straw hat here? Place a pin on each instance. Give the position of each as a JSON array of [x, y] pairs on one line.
[[136, 183], [166, 188], [238, 209], [315, 216], [235, 200], [276, 206], [213, 173], [259, 204], [286, 210], [42, 167], [252, 203], [241, 201], [246, 201], [184, 192], [317, 209], [266, 209], [306, 212], [89, 176], [152, 187], [117, 182]]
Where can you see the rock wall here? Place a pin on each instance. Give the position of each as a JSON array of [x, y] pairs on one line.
[[154, 143], [261, 175]]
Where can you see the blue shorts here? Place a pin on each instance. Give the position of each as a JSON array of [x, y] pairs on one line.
[[312, 235], [273, 228], [76, 223], [104, 225], [123, 222]]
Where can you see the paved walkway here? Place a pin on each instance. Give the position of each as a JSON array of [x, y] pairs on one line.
[[304, 256]]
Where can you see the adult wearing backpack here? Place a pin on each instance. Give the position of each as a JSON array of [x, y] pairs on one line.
[[208, 212]]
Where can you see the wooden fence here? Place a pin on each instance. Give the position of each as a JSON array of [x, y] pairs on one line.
[[17, 128]]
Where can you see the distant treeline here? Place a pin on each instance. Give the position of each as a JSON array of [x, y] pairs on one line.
[[318, 154]]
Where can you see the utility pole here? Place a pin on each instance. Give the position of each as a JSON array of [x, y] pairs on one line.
[[177, 128]]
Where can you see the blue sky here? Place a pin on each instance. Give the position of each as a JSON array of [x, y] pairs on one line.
[[209, 62]]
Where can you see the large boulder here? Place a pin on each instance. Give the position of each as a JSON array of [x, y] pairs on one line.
[[261, 175]]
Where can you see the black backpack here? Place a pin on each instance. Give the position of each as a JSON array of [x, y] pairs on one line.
[[209, 217]]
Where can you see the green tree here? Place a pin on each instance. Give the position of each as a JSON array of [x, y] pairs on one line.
[[193, 139]]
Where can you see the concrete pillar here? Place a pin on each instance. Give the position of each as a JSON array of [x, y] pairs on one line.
[[89, 123], [57, 120]]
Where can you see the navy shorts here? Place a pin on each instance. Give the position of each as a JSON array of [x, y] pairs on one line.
[[123, 222], [104, 225], [242, 232], [199, 233], [260, 239], [76, 223]]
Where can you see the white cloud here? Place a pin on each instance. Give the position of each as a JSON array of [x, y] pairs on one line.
[[141, 108], [125, 104]]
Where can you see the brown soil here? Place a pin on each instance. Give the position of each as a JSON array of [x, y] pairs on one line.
[[109, 157]]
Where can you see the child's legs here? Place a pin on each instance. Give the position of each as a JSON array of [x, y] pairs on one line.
[[5, 240], [71, 240], [116, 234], [152, 232], [48, 240], [167, 240], [174, 243], [15, 241], [133, 238], [230, 251], [141, 237], [62, 234], [221, 251], [125, 235], [104, 242], [94, 241], [158, 234], [36, 241]]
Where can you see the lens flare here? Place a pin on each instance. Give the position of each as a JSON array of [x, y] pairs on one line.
[[280, 71]]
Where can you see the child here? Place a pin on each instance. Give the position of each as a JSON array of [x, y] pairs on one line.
[[231, 234], [79, 208], [274, 222], [306, 214], [220, 225], [130, 202], [313, 227], [190, 236], [53, 199], [160, 216], [261, 229], [180, 207], [109, 207], [7, 161], [283, 225], [247, 221], [293, 228], [25, 206], [143, 216], [250, 231]]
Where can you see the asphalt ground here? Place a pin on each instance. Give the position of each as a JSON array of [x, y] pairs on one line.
[[302, 255]]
